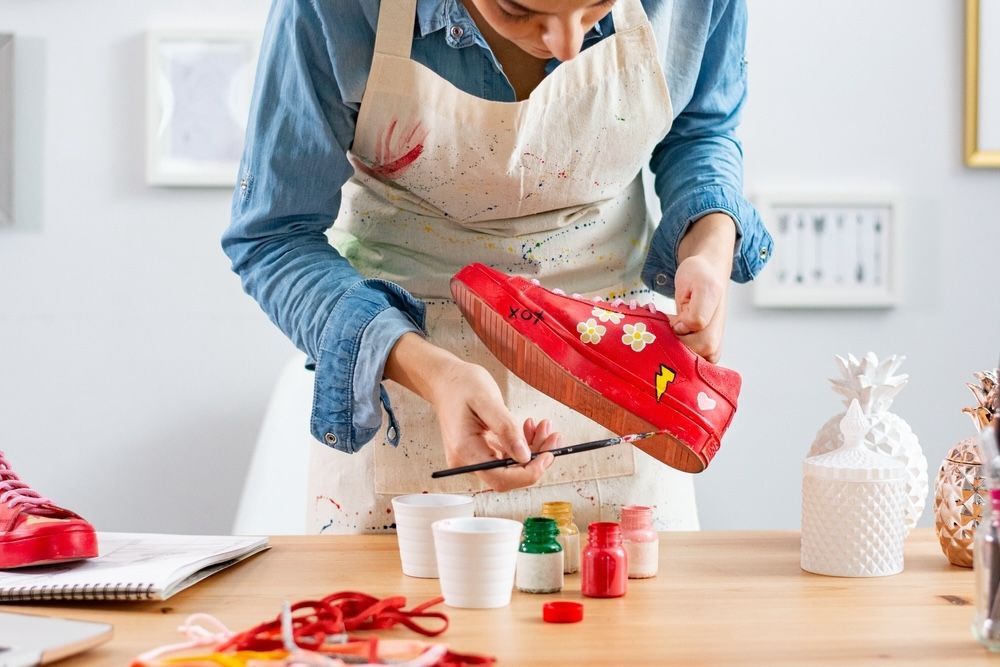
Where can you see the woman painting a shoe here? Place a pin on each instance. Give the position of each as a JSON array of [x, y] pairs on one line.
[[391, 143]]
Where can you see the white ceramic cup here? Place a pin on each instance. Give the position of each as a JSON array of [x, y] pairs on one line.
[[476, 559], [414, 515]]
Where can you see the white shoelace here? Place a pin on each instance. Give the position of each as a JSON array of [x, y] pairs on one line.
[[631, 304]]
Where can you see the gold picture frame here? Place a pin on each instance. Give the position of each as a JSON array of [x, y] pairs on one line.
[[982, 46]]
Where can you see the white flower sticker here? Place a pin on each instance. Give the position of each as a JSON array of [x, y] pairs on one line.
[[606, 315], [591, 331], [636, 336]]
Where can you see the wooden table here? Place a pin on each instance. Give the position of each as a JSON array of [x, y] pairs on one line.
[[720, 599]]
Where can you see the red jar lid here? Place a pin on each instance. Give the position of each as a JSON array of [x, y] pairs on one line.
[[562, 612]]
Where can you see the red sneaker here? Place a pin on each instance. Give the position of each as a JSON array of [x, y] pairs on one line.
[[34, 531], [617, 364]]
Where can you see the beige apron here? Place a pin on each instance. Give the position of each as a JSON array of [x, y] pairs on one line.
[[548, 187]]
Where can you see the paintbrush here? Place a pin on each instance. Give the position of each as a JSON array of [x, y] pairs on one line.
[[561, 451]]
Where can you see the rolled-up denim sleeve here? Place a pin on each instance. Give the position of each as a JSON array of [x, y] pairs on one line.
[[376, 343], [698, 166], [293, 167]]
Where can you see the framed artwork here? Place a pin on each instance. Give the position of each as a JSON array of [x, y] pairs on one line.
[[831, 251], [6, 128], [197, 102], [982, 83]]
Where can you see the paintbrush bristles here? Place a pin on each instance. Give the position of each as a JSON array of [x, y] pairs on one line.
[[640, 436]]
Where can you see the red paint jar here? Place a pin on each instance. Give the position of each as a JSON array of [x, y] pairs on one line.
[[604, 565]]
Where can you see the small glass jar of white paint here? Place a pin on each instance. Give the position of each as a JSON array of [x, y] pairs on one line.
[[642, 543], [540, 557], [569, 534]]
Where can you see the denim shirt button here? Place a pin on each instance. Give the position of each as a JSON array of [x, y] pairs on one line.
[[456, 32], [330, 438], [391, 433], [660, 280], [763, 252]]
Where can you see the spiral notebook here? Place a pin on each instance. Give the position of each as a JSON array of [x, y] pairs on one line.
[[131, 566]]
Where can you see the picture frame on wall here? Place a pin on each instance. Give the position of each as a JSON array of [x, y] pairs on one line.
[[831, 251], [982, 83], [6, 129], [199, 86]]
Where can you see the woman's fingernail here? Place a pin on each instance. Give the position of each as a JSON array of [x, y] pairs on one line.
[[525, 451]]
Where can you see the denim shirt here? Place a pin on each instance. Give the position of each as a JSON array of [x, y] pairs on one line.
[[314, 64]]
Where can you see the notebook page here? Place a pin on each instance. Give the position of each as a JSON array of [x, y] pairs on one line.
[[134, 558]]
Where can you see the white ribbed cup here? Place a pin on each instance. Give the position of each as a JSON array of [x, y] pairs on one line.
[[476, 560], [414, 515]]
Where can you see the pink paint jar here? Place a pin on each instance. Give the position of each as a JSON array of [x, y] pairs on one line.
[[641, 541]]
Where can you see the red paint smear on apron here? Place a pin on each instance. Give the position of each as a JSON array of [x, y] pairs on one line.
[[399, 165]]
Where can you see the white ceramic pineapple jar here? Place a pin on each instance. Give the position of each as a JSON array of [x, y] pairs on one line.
[[853, 507], [874, 384]]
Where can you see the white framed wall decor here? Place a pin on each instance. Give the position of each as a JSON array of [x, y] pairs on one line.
[[199, 85], [830, 251], [6, 129]]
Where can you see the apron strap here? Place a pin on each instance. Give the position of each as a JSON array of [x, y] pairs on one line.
[[394, 34], [627, 14]]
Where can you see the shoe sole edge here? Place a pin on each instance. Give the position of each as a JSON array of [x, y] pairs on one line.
[[51, 547]]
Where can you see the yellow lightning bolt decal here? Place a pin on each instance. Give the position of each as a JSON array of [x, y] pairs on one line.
[[663, 378]]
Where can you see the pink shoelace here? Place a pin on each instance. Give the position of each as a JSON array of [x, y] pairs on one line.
[[14, 492], [633, 304]]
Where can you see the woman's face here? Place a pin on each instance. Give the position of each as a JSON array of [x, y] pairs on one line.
[[544, 28]]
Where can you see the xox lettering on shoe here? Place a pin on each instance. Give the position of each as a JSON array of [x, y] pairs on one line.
[[525, 314]]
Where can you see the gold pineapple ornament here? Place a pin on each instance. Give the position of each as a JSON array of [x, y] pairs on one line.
[[960, 491]]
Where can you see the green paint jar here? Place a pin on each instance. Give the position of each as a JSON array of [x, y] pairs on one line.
[[540, 557]]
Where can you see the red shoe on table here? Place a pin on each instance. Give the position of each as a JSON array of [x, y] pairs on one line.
[[34, 531], [618, 364]]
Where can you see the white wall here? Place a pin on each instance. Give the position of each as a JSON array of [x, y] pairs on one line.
[[134, 372], [859, 96]]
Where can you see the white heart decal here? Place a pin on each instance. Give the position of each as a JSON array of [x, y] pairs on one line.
[[705, 402]]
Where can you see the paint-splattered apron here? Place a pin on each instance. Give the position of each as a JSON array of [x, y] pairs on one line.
[[548, 187]]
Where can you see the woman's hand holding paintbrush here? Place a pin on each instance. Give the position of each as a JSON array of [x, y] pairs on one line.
[[560, 451], [475, 423]]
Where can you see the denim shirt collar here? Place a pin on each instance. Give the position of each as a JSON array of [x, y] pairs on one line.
[[433, 15]]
